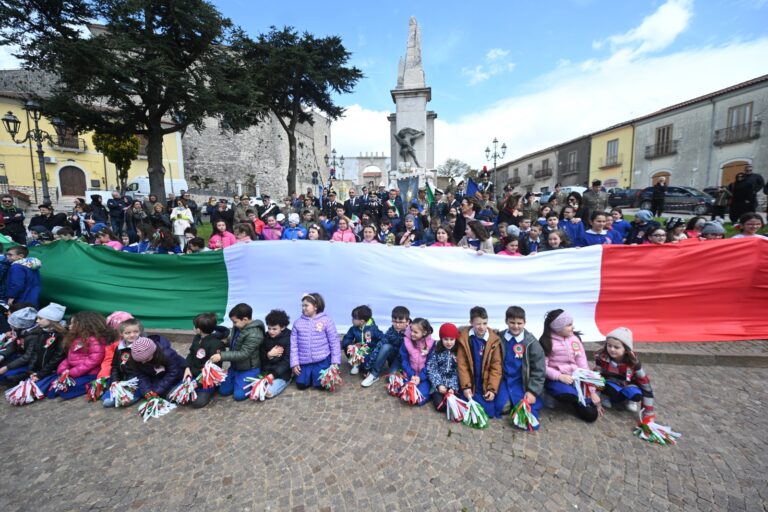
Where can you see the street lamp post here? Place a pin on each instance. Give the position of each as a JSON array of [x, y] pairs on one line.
[[332, 163], [495, 155], [12, 125]]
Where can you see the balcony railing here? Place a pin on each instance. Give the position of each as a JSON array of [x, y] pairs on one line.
[[611, 161], [515, 180], [738, 133], [659, 150], [570, 168], [544, 172], [69, 143]]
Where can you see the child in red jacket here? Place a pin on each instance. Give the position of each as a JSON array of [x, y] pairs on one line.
[[84, 344], [114, 320]]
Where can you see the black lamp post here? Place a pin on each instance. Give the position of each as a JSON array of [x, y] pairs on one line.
[[332, 163], [12, 125], [495, 155]]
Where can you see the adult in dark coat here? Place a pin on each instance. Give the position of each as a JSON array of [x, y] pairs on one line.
[[47, 218], [657, 198], [117, 205], [743, 193], [222, 213], [13, 220], [97, 210], [470, 207], [756, 183]]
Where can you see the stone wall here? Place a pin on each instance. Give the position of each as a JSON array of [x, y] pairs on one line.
[[257, 158]]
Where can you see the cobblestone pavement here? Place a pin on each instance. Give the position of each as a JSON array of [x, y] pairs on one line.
[[360, 449]]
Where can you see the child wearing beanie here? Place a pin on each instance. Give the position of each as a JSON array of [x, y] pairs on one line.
[[120, 369], [625, 380], [19, 345], [442, 369], [524, 365], [158, 367], [47, 341]]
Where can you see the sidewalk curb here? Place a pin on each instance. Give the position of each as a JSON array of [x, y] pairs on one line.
[[647, 356]]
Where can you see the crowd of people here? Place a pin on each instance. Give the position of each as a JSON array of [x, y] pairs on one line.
[[515, 225], [497, 370]]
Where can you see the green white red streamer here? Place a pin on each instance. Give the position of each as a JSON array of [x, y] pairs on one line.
[[211, 375], [476, 417], [24, 393], [649, 430], [357, 353], [410, 394], [154, 407], [330, 378], [257, 387], [395, 382], [123, 391], [63, 382], [522, 417], [585, 382], [455, 408], [95, 389], [185, 392]]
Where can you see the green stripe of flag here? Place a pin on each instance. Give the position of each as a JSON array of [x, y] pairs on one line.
[[430, 195], [161, 290]]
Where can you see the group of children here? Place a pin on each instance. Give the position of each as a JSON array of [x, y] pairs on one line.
[[496, 370]]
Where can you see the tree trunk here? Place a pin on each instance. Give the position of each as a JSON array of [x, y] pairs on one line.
[[292, 164], [155, 162]]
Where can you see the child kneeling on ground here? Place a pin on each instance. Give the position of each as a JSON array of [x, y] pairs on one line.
[[276, 352], [243, 354]]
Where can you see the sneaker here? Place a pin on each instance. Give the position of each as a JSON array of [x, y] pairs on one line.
[[606, 403], [355, 370], [632, 406], [369, 380]]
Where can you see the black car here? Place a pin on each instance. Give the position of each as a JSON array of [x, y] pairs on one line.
[[680, 199], [624, 197]]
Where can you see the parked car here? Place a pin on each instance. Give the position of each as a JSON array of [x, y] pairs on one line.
[[546, 195], [712, 191], [680, 199], [624, 197]]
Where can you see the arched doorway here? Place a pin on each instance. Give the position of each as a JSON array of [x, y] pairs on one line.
[[660, 174], [730, 170], [71, 181], [611, 183]]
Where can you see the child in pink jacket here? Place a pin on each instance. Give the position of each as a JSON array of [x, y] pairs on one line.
[[85, 344], [564, 354]]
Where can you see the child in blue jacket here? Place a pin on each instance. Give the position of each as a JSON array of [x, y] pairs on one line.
[[158, 367], [388, 351], [414, 352], [23, 281], [364, 331]]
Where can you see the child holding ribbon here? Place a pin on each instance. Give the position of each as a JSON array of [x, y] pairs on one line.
[[314, 343], [442, 369], [479, 361], [205, 344], [564, 354], [84, 343], [120, 369], [524, 365], [364, 335], [414, 352]]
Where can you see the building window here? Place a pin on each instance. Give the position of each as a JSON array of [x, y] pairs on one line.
[[612, 154], [545, 163], [664, 139], [740, 115], [516, 173], [530, 170], [326, 140], [572, 160]]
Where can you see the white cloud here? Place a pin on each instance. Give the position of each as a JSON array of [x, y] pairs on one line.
[[8, 61], [573, 100], [656, 32], [495, 63]]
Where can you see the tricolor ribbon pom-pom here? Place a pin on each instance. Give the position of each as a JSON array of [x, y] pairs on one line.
[[455, 407], [522, 416], [395, 382], [257, 387], [410, 394], [154, 407], [185, 392], [211, 375], [123, 392], [330, 378], [63, 382], [583, 380], [24, 393], [476, 416], [652, 432], [95, 389], [357, 353]]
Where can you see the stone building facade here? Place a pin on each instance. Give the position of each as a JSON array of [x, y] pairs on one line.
[[255, 161]]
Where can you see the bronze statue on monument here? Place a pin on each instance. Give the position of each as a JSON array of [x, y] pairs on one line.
[[406, 138]]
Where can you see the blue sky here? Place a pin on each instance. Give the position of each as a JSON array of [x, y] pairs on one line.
[[532, 74]]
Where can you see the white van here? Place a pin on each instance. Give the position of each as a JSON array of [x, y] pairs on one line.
[[138, 188]]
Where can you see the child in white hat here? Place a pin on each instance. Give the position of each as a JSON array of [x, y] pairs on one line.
[[625, 380]]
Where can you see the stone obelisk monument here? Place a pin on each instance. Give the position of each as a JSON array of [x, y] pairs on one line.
[[412, 127]]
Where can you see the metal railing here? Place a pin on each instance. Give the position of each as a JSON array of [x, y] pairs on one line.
[[738, 133], [515, 180], [570, 168], [69, 143], [611, 161], [665, 148], [544, 172]]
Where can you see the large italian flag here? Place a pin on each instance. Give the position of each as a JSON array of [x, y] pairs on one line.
[[694, 291]]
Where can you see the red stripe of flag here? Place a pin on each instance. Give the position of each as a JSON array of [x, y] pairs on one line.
[[712, 290]]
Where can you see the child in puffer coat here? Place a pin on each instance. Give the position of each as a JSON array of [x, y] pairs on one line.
[[20, 345], [314, 342], [364, 331], [442, 369], [84, 343], [416, 348], [158, 367]]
